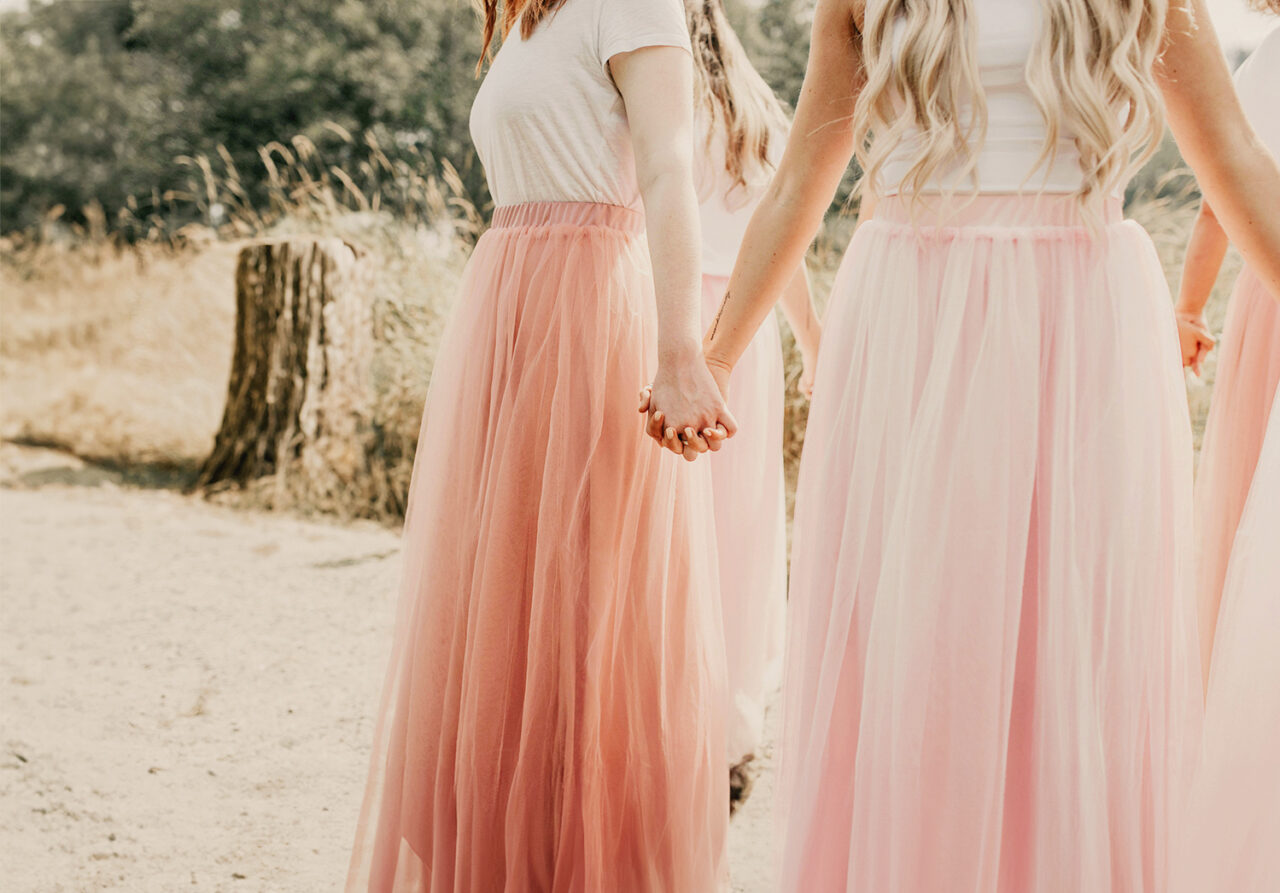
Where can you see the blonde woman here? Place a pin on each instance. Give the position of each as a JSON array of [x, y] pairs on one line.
[[741, 131], [992, 680], [1248, 369], [552, 717]]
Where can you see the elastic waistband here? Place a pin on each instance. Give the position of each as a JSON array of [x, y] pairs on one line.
[[996, 212], [571, 214]]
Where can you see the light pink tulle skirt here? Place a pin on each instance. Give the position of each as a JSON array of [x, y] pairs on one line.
[[751, 529], [1231, 840], [552, 717], [1245, 383], [992, 682]]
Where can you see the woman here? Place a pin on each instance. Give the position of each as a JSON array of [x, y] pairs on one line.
[[991, 680], [1248, 360], [742, 131], [551, 716]]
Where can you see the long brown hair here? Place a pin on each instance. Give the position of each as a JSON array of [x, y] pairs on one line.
[[534, 11], [731, 93]]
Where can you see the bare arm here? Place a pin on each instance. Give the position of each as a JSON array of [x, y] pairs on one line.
[[792, 209], [1205, 250], [1239, 177], [656, 84]]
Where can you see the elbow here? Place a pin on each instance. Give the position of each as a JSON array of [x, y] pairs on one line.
[[669, 172], [787, 190]]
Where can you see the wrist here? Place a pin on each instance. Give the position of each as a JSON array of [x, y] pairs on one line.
[[680, 351], [808, 349], [716, 359]]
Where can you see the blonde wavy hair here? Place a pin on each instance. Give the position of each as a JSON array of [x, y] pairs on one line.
[[732, 96], [1090, 74], [1266, 5]]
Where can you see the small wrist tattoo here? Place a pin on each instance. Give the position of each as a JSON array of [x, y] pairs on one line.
[[715, 324]]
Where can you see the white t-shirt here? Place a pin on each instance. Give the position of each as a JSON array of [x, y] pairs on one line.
[[1258, 83], [726, 208], [548, 121]]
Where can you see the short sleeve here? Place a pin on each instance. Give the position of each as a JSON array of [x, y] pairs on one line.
[[1252, 81], [627, 25]]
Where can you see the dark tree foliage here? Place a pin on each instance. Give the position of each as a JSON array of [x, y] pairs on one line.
[[776, 36], [84, 117], [101, 96]]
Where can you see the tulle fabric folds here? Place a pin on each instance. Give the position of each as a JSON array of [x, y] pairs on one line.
[[1246, 381], [751, 530], [1229, 841], [551, 718], [992, 682]]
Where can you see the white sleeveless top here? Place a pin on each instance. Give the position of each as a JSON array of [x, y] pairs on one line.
[[548, 122], [725, 210], [1258, 83], [1007, 33]]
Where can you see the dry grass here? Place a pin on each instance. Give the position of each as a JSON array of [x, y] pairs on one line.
[[119, 357], [123, 358], [122, 355]]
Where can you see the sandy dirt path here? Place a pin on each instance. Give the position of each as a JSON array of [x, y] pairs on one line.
[[186, 690]]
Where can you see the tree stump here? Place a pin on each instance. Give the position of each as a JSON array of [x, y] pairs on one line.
[[298, 397]]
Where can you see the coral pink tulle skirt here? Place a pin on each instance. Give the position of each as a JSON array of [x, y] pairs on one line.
[[992, 680], [751, 530], [551, 720], [1246, 381], [1229, 842]]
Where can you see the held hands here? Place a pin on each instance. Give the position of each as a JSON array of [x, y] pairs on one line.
[[1195, 340], [685, 407]]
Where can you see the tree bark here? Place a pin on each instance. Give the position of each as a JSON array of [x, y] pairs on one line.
[[298, 397]]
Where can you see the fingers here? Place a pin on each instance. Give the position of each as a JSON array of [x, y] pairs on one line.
[[671, 440], [694, 441], [1202, 353], [654, 426], [688, 441], [727, 423]]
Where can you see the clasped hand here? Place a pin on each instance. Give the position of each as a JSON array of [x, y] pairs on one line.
[[685, 407]]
